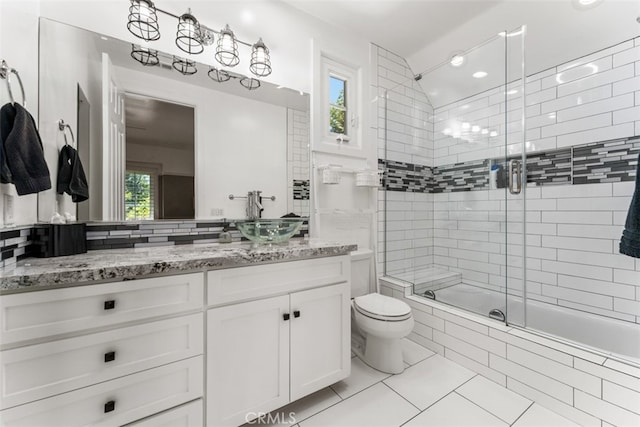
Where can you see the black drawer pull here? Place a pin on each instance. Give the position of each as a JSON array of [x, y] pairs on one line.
[[110, 356], [296, 314], [110, 304], [286, 316], [110, 406]]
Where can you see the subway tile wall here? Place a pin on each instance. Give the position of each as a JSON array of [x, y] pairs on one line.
[[163, 233], [408, 153], [591, 99], [572, 231], [298, 171], [586, 387]]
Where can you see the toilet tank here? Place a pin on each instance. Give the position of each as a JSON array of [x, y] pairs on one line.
[[361, 272]]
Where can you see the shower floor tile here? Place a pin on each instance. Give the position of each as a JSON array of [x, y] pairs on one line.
[[431, 392]]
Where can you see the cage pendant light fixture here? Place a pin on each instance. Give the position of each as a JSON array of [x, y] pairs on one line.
[[144, 55], [143, 20], [219, 76], [184, 66], [227, 48], [260, 64], [188, 34]]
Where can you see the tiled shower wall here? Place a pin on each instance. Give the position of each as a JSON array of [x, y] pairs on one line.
[[578, 132], [298, 161], [409, 150], [572, 230]]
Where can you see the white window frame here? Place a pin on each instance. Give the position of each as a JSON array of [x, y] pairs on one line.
[[331, 68]]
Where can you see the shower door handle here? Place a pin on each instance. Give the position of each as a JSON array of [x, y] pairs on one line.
[[515, 168]]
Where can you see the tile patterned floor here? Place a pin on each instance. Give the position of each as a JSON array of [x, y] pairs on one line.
[[432, 391]]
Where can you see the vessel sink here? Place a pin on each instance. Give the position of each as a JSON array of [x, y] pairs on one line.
[[269, 230]]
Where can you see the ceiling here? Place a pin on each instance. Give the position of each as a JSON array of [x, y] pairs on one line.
[[401, 26], [158, 123]]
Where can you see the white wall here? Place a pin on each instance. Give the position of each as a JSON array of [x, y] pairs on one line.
[[240, 144], [288, 32], [556, 31], [61, 71], [174, 161], [19, 47]]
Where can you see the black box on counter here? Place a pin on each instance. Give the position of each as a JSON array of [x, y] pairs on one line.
[[52, 240]]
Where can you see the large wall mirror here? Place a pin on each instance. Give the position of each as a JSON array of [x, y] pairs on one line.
[[159, 144]]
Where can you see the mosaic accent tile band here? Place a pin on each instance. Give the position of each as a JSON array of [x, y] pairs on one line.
[[461, 177], [406, 177], [15, 244], [592, 163], [159, 233], [609, 161], [301, 189]]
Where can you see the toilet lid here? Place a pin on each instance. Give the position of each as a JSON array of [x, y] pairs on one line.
[[382, 307]]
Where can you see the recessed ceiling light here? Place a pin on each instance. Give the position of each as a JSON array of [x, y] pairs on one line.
[[484, 131], [447, 131], [104, 38], [475, 128], [457, 60], [512, 92], [480, 74], [493, 133], [586, 4], [456, 134], [466, 125]]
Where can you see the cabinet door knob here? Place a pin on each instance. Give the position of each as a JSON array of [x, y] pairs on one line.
[[296, 313], [110, 304], [286, 316], [110, 406], [109, 356]]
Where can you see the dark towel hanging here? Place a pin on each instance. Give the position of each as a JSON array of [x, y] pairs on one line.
[[71, 177], [630, 242], [22, 162]]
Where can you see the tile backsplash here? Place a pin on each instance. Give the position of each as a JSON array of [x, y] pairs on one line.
[[162, 233]]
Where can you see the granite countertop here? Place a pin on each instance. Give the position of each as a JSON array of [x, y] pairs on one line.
[[126, 264]]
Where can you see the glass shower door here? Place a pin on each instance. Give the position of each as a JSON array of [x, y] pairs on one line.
[[473, 224]]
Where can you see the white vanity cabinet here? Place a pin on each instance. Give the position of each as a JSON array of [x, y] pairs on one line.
[[105, 354], [275, 333]]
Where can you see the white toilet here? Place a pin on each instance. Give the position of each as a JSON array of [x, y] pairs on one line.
[[379, 322]]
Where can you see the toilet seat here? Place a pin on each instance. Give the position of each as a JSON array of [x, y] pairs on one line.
[[381, 307]]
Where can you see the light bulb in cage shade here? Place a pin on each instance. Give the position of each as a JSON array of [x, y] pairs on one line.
[[144, 55], [188, 34], [217, 75], [143, 20], [260, 64], [227, 49], [184, 66], [250, 83]]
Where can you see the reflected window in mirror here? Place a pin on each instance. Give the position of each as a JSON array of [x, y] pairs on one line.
[[139, 192]]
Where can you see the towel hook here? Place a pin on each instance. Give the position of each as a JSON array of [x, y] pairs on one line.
[[63, 126], [5, 73]]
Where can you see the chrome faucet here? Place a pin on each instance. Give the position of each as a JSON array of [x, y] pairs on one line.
[[254, 204]]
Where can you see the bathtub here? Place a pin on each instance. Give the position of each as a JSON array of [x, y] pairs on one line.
[[600, 333]]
